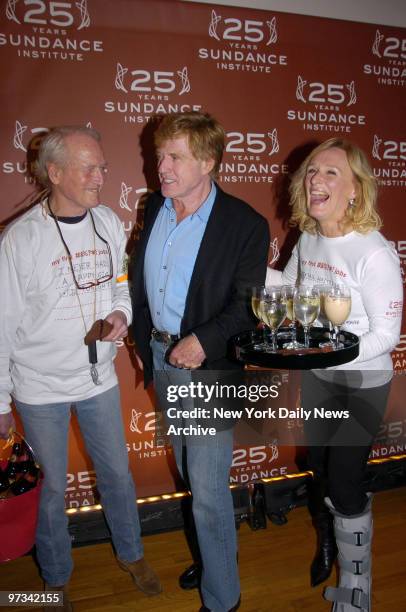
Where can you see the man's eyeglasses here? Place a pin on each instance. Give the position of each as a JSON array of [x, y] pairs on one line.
[[96, 281]]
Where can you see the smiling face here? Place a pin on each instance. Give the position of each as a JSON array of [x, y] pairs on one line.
[[330, 184], [77, 182], [183, 177]]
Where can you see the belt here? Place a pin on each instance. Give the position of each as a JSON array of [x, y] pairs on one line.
[[164, 337]]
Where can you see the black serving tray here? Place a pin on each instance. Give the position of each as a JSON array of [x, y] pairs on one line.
[[299, 359]]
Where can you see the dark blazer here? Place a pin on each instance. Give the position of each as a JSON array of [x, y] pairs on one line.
[[232, 258]]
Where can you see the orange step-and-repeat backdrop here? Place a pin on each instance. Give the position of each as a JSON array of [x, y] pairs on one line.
[[278, 83]]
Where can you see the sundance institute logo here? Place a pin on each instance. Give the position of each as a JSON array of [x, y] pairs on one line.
[[247, 157], [151, 92], [318, 93], [161, 82], [24, 139], [242, 44], [134, 423], [254, 30], [399, 354], [53, 26], [135, 203], [331, 103], [20, 129], [148, 422], [389, 54], [140, 196], [389, 164], [59, 14]]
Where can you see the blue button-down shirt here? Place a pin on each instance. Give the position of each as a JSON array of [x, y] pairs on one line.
[[170, 258]]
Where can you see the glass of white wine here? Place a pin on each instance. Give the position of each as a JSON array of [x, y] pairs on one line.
[[288, 292], [323, 291], [306, 304], [337, 305], [273, 312], [258, 294]]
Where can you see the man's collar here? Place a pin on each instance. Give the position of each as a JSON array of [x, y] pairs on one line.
[[204, 210]]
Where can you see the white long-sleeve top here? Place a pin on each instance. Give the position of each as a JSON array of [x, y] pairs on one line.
[[43, 358], [369, 266]]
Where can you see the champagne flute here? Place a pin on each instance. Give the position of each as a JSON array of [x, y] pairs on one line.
[[258, 294], [273, 313], [306, 304], [323, 291], [288, 292], [337, 305]]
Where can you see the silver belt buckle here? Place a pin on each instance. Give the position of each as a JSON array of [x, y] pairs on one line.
[[166, 338], [161, 336]]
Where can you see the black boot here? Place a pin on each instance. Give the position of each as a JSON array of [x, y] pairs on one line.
[[326, 553], [323, 522]]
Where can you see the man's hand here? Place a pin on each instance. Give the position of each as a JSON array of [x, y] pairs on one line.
[[187, 353], [6, 422], [120, 328]]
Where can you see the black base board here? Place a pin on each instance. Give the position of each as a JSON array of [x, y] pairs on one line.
[[274, 500], [155, 517], [91, 527], [269, 500]]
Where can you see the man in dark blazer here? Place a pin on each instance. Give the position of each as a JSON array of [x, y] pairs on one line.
[[198, 254]]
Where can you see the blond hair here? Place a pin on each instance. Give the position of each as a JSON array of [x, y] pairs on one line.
[[205, 135], [362, 216]]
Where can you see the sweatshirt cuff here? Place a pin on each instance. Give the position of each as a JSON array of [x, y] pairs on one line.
[[127, 313], [4, 408]]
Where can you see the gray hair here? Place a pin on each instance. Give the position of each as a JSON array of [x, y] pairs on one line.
[[53, 149]]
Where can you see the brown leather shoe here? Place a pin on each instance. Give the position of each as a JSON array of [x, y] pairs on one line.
[[143, 575], [67, 604]]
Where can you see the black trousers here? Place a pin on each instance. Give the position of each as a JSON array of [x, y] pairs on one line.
[[338, 448]]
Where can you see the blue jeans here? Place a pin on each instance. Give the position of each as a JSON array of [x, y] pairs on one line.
[[207, 472], [46, 429]]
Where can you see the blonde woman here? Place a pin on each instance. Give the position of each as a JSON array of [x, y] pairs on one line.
[[333, 199]]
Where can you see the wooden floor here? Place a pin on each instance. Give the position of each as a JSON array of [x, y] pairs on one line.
[[273, 566]]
